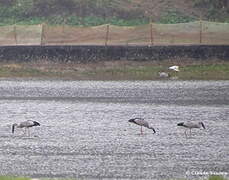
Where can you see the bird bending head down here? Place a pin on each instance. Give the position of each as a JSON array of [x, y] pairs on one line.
[[141, 122], [25, 124], [191, 125]]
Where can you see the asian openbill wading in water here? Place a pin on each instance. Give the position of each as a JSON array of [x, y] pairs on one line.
[[26, 125], [141, 122], [191, 125]]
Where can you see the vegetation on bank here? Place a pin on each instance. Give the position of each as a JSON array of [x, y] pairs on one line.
[[215, 10], [116, 12], [116, 70], [73, 21], [70, 12], [173, 17], [13, 178]]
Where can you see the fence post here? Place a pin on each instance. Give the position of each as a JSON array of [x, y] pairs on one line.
[[201, 29], [42, 34], [63, 33], [151, 34], [107, 34], [127, 50], [15, 34]]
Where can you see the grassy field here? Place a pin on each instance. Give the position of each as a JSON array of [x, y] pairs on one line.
[[117, 70], [13, 178]]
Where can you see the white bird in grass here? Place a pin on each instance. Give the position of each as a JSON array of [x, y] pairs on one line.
[[174, 68], [191, 125], [167, 74], [26, 125], [141, 122]]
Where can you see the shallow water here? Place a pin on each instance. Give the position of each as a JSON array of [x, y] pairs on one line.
[[85, 133]]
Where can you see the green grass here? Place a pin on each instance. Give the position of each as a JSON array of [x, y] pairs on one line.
[[150, 72], [205, 72], [173, 17], [216, 178], [116, 70], [13, 178], [73, 21]]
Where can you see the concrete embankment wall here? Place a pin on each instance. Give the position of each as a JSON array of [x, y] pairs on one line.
[[101, 53]]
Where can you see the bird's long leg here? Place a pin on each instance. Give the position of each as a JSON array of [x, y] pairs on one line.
[[190, 132], [185, 133], [28, 132], [24, 131], [141, 130]]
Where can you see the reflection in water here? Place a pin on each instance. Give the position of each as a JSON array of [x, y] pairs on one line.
[[85, 132]]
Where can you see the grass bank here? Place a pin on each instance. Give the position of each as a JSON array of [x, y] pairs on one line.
[[13, 178], [116, 70]]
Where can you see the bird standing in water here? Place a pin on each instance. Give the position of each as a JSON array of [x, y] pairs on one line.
[[26, 125], [141, 122], [191, 125]]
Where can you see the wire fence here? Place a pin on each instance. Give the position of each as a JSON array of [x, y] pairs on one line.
[[198, 32]]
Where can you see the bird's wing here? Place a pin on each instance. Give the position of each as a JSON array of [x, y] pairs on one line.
[[28, 123], [191, 125], [141, 122]]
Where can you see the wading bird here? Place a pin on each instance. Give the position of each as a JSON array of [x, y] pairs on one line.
[[174, 68], [26, 125], [191, 125], [141, 122]]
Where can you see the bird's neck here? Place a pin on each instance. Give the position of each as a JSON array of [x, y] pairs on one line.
[[15, 125]]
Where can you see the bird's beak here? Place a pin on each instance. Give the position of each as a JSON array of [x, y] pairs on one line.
[[154, 131], [13, 127], [203, 125]]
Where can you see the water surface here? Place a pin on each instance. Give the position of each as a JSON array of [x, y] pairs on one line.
[[85, 133]]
